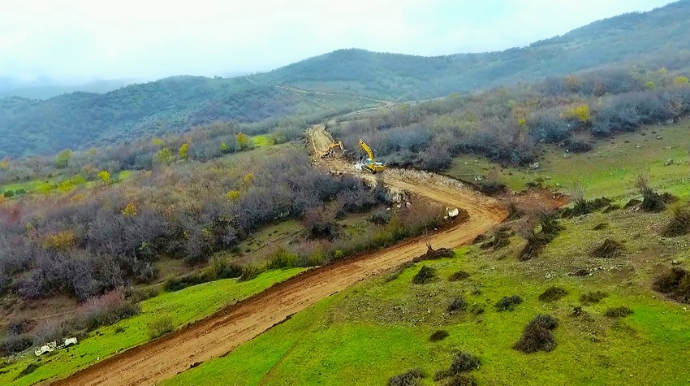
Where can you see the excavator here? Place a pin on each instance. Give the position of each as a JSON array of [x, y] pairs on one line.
[[331, 149], [370, 163]]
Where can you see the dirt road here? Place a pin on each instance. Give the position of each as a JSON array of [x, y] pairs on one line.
[[222, 332]]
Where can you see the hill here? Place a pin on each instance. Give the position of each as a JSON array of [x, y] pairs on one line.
[[47, 91], [661, 33], [170, 105], [655, 39]]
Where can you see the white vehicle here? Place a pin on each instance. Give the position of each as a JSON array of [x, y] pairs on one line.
[[52, 346]]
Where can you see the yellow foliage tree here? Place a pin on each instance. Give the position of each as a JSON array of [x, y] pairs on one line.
[[163, 156], [650, 85], [681, 81], [92, 152], [60, 241], [233, 195], [104, 176], [248, 179], [5, 163], [579, 113], [223, 147], [242, 140], [157, 141], [130, 210], [663, 71], [184, 149]]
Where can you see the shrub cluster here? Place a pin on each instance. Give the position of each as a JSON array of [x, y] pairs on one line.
[[553, 294], [675, 283], [425, 275], [410, 378], [96, 312], [508, 303], [538, 335], [463, 363]]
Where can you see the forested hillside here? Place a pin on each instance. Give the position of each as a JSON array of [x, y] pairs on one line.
[[38, 90], [169, 105], [652, 40], [657, 34]]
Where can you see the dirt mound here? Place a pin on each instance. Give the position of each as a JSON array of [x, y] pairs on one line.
[[425, 275], [679, 225], [434, 254], [538, 335], [457, 276], [552, 294], [608, 250], [675, 283], [632, 203], [618, 312]]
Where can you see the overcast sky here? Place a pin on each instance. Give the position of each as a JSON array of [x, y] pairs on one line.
[[146, 39]]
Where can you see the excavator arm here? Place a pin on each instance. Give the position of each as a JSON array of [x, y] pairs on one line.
[[366, 149], [371, 163]]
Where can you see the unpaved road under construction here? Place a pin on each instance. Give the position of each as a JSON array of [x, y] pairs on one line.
[[221, 333]]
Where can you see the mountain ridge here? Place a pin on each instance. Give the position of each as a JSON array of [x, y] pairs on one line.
[[660, 37]]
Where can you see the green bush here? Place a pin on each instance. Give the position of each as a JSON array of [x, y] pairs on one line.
[[458, 304], [618, 312], [182, 282], [439, 335], [593, 297], [457, 276], [463, 362], [424, 276], [411, 378], [552, 294], [508, 303], [282, 259], [160, 326]]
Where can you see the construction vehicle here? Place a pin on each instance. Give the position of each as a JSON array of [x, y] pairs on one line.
[[331, 149], [370, 163]]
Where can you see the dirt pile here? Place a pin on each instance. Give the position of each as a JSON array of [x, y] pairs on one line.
[[609, 249]]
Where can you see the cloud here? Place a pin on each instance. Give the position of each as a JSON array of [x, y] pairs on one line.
[[78, 39]]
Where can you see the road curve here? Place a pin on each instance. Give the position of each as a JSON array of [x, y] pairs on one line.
[[222, 332]]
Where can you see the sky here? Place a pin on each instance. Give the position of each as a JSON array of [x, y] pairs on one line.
[[78, 40]]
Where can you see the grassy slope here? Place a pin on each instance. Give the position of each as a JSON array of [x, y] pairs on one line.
[[45, 186], [379, 329], [609, 170], [183, 307]]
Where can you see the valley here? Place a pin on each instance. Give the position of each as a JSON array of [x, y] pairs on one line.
[[358, 217]]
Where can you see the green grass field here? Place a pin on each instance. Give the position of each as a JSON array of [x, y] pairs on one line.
[[379, 329], [46, 186], [185, 306], [609, 170]]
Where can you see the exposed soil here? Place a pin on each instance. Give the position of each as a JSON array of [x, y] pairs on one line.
[[221, 333]]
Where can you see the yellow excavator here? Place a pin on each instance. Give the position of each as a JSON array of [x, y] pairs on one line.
[[370, 163], [331, 148]]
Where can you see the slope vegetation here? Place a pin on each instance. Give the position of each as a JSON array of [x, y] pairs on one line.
[[77, 120], [231, 327], [661, 33]]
